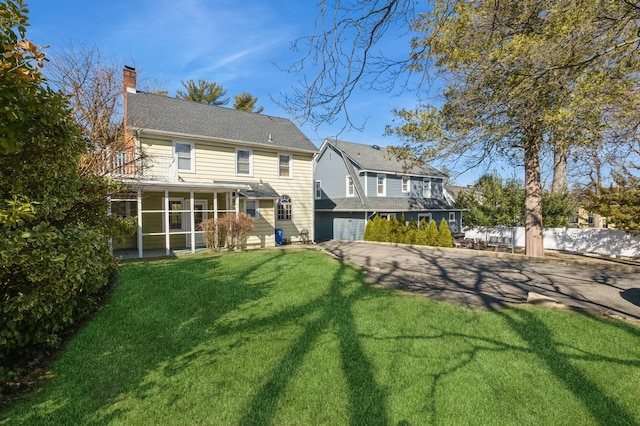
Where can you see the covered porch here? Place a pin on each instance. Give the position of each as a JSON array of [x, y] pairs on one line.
[[168, 214]]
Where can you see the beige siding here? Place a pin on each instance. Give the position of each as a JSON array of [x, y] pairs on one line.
[[216, 162], [262, 235]]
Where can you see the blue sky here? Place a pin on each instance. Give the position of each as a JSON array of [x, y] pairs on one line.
[[234, 43]]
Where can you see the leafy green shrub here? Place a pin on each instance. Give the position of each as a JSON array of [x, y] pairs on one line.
[[411, 233], [445, 239], [431, 237], [55, 258], [395, 234], [421, 236]]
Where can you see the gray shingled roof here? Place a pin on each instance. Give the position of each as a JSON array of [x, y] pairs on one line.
[[157, 112], [381, 204], [372, 157]]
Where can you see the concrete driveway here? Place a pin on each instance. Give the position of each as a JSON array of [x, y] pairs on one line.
[[487, 280]]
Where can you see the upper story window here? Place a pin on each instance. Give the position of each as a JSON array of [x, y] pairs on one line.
[[317, 189], [183, 153], [405, 183], [284, 208], [426, 187], [452, 217], [252, 208], [244, 162], [350, 187], [381, 187], [285, 165]]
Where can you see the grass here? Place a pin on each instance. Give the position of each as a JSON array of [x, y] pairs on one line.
[[295, 337]]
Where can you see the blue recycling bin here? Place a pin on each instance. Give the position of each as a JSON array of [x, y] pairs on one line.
[[279, 235]]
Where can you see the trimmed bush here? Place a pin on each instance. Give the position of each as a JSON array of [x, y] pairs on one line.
[[228, 231], [432, 234], [445, 239], [411, 234]]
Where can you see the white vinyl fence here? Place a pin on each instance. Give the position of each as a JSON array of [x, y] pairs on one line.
[[605, 242]]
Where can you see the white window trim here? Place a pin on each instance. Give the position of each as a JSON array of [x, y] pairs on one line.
[[290, 203], [352, 186], [384, 184], [427, 216], [317, 190], [235, 163], [257, 215], [452, 217], [426, 194], [408, 187], [192, 153], [290, 165]]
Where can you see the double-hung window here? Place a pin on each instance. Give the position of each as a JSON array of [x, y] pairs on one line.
[[426, 187], [381, 187], [405, 183], [183, 154], [285, 163], [252, 208], [244, 160], [350, 187], [317, 190]]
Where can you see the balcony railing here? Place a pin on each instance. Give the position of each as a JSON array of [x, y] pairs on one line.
[[127, 165]]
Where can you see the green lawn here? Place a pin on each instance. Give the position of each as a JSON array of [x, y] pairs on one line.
[[295, 337]]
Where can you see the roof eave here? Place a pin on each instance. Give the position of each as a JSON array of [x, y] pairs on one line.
[[141, 130]]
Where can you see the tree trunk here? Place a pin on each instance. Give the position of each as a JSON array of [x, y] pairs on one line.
[[533, 197], [559, 183]]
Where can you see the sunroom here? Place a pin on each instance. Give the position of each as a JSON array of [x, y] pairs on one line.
[[168, 214]]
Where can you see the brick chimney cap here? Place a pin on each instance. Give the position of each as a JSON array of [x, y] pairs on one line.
[[130, 68]]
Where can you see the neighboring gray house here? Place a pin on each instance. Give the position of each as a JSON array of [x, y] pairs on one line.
[[354, 182]]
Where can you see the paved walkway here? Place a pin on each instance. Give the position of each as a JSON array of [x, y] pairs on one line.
[[492, 281]]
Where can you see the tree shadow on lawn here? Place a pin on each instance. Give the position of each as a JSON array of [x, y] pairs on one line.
[[122, 356], [540, 339], [366, 398], [497, 287]]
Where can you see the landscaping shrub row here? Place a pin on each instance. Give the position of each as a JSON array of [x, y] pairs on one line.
[[393, 230]]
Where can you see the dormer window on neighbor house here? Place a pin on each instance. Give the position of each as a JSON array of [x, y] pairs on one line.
[[426, 187], [350, 187], [381, 187], [405, 183]]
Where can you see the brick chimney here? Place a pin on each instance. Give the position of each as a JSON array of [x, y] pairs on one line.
[[129, 80]]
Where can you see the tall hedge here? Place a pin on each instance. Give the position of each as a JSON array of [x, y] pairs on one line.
[[55, 257]]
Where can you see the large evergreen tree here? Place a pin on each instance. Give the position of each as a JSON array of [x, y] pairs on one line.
[[206, 92], [246, 102]]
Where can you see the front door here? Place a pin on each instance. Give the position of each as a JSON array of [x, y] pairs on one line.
[[199, 214]]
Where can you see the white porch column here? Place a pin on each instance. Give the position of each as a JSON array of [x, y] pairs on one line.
[[237, 203], [192, 206], [139, 203], [215, 217], [167, 239]]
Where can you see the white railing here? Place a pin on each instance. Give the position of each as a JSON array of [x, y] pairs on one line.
[[149, 167]]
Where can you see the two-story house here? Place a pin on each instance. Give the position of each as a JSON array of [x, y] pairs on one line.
[[202, 161], [354, 182]]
